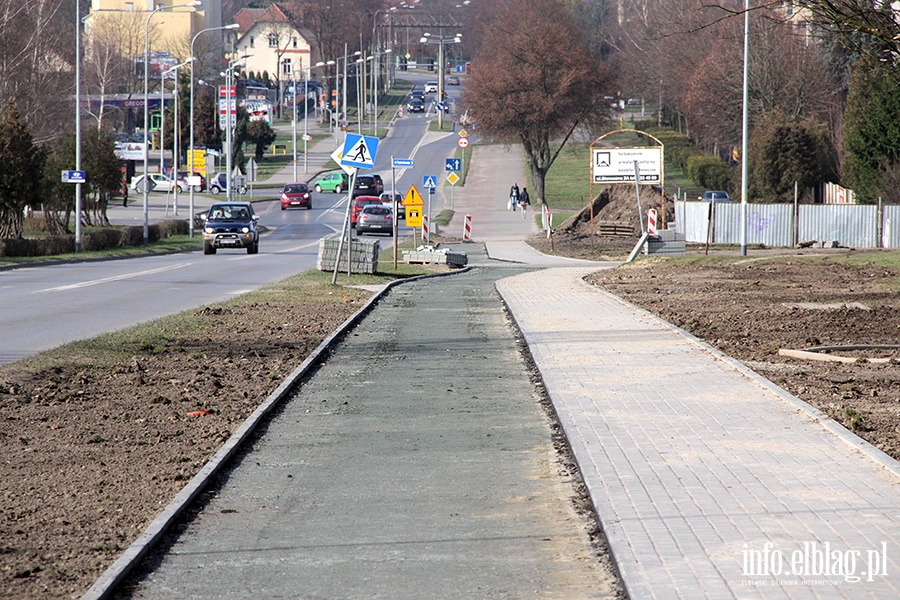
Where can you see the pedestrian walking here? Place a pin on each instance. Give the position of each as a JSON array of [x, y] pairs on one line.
[[524, 200], [513, 197], [125, 196]]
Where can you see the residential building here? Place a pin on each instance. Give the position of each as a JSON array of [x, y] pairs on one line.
[[273, 40]]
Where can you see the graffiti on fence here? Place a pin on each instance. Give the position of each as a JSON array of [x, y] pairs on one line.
[[761, 222]]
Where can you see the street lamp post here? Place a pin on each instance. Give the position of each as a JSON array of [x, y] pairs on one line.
[[175, 127], [305, 117], [229, 99], [77, 125], [441, 40], [191, 146], [146, 182]]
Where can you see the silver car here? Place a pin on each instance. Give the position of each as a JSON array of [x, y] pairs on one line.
[[375, 218]]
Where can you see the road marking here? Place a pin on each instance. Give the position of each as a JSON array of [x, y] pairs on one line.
[[73, 286]]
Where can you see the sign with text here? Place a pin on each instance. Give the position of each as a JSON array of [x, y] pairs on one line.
[[616, 165]]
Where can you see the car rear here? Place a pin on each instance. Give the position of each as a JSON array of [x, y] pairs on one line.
[[359, 203], [375, 218]]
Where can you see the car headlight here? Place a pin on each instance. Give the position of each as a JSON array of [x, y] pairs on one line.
[[208, 230], [245, 229]]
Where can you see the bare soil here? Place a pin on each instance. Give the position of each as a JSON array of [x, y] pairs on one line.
[[95, 439], [76, 425]]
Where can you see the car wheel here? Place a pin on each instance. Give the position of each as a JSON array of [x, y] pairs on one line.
[[338, 189], [283, 207], [198, 189], [214, 190], [309, 207], [209, 249], [318, 189], [253, 248], [242, 191]]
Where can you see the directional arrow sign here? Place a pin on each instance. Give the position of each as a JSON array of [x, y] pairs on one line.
[[452, 164], [360, 151], [429, 181], [413, 198]]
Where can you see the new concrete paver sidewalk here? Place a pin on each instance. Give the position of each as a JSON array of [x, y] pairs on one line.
[[709, 481]]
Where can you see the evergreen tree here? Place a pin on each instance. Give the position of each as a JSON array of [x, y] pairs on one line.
[[871, 143], [21, 167], [784, 151]]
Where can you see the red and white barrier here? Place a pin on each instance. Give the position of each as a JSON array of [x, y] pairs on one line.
[[467, 229], [426, 236], [652, 228]]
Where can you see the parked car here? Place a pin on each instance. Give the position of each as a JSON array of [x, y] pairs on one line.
[[185, 185], [218, 183], [453, 80], [386, 200], [296, 195], [431, 87], [375, 218], [715, 196], [359, 203], [368, 185], [336, 181], [231, 225], [160, 183], [415, 105]]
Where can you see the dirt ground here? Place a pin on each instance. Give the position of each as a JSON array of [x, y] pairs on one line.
[[75, 430]]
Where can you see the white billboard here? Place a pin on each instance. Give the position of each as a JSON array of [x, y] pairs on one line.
[[616, 165]]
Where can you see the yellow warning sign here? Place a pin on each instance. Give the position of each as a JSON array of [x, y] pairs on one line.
[[413, 198], [414, 216]]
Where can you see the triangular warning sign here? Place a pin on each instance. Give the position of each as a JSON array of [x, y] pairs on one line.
[[412, 197]]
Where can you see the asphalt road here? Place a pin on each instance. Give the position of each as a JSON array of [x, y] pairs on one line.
[[43, 307], [416, 463]]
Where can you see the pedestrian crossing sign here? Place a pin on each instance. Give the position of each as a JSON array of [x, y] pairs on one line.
[[429, 181], [359, 151]]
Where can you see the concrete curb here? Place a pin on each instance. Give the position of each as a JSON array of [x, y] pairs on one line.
[[106, 584]]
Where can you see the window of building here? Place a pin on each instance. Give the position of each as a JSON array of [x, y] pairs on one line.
[[273, 40], [252, 42], [286, 66], [129, 7], [294, 41]]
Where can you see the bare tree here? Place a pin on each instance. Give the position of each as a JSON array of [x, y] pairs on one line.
[[36, 63], [535, 82]]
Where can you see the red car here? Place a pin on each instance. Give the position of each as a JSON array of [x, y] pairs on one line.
[[358, 204], [296, 195]]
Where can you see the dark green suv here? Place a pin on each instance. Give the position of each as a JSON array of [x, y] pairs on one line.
[[231, 225]]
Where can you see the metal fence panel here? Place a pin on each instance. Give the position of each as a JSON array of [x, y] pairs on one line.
[[851, 225], [691, 219], [891, 226], [768, 224]]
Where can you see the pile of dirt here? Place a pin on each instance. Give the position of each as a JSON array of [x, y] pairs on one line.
[[609, 227]]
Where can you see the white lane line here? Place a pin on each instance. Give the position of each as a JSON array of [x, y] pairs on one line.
[[82, 284]]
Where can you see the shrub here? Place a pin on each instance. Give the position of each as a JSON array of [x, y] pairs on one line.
[[708, 172]]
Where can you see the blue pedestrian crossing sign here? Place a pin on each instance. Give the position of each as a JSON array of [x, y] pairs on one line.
[[429, 181], [452, 164], [359, 151]]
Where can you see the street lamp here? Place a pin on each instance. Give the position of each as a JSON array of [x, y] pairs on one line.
[[305, 121], [229, 98], [175, 128], [191, 148], [146, 182], [429, 39]]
